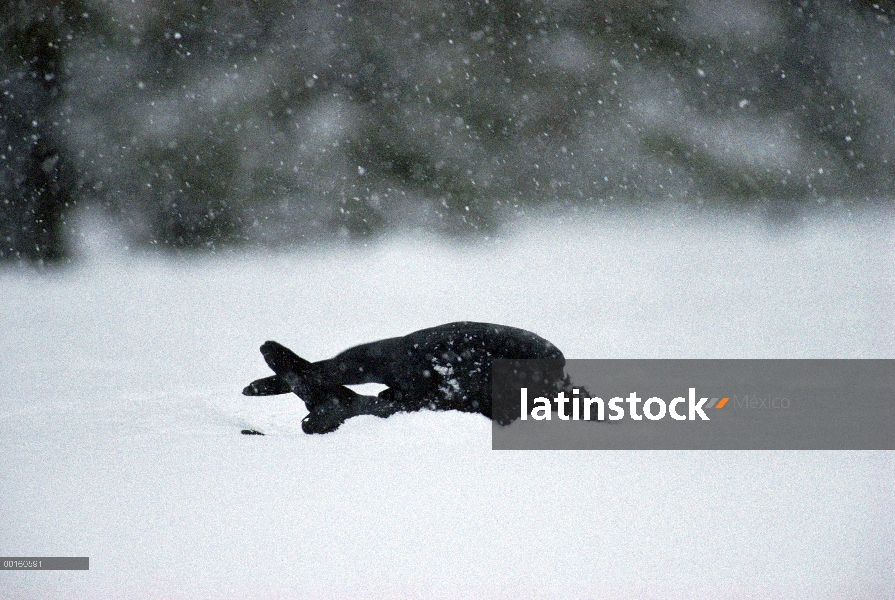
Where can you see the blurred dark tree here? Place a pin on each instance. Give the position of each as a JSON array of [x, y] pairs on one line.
[[36, 176]]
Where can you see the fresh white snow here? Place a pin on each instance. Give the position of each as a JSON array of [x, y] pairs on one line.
[[120, 419]]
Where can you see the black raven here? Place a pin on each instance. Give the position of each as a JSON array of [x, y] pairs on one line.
[[441, 368]]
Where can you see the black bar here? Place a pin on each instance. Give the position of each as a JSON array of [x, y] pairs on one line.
[[44, 563], [651, 404]]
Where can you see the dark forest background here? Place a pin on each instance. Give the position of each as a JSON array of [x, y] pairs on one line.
[[199, 124]]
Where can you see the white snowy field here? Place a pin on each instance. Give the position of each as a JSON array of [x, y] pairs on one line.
[[120, 419]]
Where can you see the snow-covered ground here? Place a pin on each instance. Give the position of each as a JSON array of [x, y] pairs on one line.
[[120, 419]]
